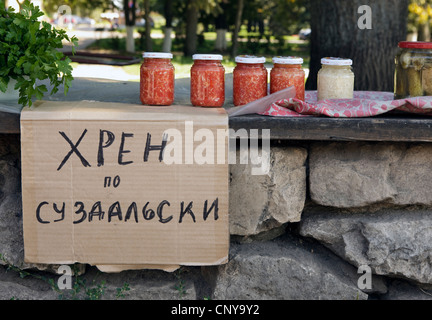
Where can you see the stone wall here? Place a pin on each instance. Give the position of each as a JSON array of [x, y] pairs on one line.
[[324, 215]]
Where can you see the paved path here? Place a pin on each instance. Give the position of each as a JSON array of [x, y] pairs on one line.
[[86, 36], [102, 72]]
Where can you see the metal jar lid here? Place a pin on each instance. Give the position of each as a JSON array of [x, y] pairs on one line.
[[249, 59], [161, 55], [332, 61], [287, 60]]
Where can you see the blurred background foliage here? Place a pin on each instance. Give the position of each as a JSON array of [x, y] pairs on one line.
[[229, 27]]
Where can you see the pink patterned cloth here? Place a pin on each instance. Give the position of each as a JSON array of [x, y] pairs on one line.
[[364, 104]]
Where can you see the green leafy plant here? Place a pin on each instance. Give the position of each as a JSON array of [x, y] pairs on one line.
[[79, 290], [180, 286], [121, 292], [29, 52]]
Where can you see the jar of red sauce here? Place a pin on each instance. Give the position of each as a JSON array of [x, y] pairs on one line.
[[286, 72], [249, 79], [157, 79], [207, 81]]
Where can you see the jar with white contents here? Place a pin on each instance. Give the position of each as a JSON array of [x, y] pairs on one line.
[[335, 79]]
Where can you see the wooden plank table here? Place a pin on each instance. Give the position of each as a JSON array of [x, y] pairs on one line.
[[395, 126], [382, 128], [9, 122]]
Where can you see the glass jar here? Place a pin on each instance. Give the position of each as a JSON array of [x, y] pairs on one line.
[[286, 72], [249, 79], [413, 72], [335, 79], [207, 87], [157, 79]]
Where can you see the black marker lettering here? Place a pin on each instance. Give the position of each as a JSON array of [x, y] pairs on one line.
[[159, 212], [80, 210], [149, 147], [121, 150], [96, 210], [132, 207], [110, 140], [39, 219], [62, 211], [116, 181], [213, 206], [107, 182], [148, 214], [187, 210], [114, 210], [74, 149]]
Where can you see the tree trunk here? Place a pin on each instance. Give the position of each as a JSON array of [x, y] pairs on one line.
[[148, 44], [240, 4], [336, 32], [130, 41], [129, 13], [221, 28], [424, 32], [167, 43], [191, 28], [221, 43], [166, 47]]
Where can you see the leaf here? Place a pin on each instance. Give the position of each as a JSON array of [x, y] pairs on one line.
[[28, 51], [54, 90], [19, 22], [20, 83], [4, 84], [27, 66], [20, 61], [39, 91]]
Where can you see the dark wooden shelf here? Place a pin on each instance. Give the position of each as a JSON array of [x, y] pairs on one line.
[[395, 127], [9, 122], [392, 126]]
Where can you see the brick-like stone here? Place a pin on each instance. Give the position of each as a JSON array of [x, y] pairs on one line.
[[11, 235], [285, 269], [260, 203], [129, 285], [356, 174], [395, 243]]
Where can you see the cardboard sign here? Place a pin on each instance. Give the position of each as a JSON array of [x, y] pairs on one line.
[[126, 185]]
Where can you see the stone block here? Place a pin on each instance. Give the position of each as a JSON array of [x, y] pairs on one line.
[[395, 243], [285, 269], [357, 174], [260, 203]]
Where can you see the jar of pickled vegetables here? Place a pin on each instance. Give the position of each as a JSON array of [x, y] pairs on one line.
[[335, 79], [286, 72], [413, 72], [249, 79], [207, 81], [157, 79]]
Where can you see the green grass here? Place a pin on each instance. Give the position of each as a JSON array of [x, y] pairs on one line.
[[182, 66], [250, 43]]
